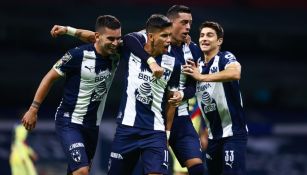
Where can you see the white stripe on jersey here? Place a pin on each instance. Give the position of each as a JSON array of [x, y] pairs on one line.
[[133, 64], [88, 86]]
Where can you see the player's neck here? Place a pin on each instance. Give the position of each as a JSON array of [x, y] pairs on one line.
[[176, 42], [150, 50], [100, 51], [209, 55]]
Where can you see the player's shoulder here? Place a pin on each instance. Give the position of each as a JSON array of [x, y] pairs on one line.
[[193, 45], [227, 55], [195, 50], [141, 34], [83, 51]]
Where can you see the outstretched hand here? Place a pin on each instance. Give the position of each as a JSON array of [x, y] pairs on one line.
[[58, 30]]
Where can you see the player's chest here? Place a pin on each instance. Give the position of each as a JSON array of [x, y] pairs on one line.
[[95, 71]]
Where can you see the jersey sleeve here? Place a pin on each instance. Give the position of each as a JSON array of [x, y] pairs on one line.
[[135, 43], [68, 63], [227, 59]]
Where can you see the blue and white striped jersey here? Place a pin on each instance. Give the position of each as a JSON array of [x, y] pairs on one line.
[[145, 97], [187, 84], [221, 102], [182, 53], [88, 79]]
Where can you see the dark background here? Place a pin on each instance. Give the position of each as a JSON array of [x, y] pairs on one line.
[[267, 37]]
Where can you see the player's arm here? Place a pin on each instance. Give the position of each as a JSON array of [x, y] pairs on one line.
[[232, 72], [82, 34], [30, 117], [173, 95], [170, 112], [135, 43]]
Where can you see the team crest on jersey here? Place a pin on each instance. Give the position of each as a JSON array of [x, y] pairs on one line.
[[144, 94], [76, 155], [208, 102]]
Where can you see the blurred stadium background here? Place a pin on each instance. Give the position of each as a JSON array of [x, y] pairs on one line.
[[267, 36]]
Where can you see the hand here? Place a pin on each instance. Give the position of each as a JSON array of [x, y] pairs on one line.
[[176, 99], [30, 118], [188, 39], [58, 30], [192, 70], [157, 71]]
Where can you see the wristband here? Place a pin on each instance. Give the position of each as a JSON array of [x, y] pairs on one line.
[[168, 133], [151, 60], [71, 31], [35, 104]]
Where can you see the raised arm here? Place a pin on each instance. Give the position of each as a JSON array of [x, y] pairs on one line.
[[30, 117], [135, 42], [82, 34], [231, 72]]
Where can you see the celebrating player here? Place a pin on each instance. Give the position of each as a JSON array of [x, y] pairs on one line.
[[220, 101], [88, 72]]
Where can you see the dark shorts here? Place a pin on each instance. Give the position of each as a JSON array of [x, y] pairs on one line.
[[184, 140], [131, 144], [79, 143], [227, 156]]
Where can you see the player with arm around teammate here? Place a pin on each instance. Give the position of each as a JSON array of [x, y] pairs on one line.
[[88, 72], [220, 101]]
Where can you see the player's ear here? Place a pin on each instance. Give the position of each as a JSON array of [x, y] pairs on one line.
[[220, 41], [150, 37], [97, 36]]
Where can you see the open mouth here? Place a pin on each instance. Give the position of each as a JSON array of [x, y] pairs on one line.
[[205, 44], [165, 48], [185, 34]]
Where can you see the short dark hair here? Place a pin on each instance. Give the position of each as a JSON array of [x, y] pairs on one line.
[[157, 22], [215, 26], [108, 21], [176, 9]]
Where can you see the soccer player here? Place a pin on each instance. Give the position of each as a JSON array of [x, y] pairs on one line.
[[141, 119], [88, 72], [184, 140], [220, 101]]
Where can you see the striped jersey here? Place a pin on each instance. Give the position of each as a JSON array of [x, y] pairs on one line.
[[88, 77], [183, 53], [145, 97], [221, 102]]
